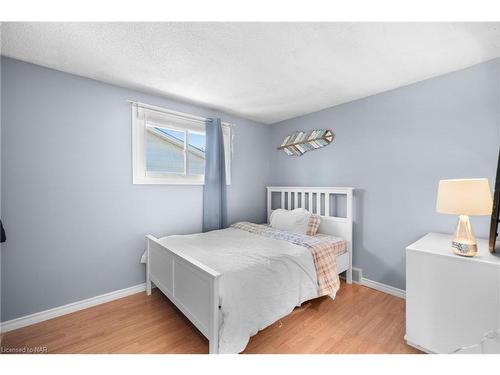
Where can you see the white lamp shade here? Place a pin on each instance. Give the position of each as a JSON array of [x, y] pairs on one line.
[[464, 197]]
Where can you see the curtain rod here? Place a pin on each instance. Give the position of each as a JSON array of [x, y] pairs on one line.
[[172, 112]]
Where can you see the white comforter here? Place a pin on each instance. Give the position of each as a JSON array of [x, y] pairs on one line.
[[262, 279]]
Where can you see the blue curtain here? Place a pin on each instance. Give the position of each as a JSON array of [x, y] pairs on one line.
[[214, 190]]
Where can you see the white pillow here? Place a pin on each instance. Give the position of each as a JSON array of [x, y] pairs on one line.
[[296, 221]]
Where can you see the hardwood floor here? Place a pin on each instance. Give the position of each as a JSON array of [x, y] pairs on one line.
[[359, 320]]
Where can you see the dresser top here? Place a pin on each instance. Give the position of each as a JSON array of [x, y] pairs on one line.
[[440, 244]]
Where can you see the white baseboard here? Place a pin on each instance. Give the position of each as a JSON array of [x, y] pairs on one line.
[[383, 288], [377, 285], [41, 316]]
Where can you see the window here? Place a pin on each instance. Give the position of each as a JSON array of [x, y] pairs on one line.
[[169, 147]]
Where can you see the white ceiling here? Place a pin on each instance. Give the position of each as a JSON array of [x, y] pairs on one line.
[[266, 72]]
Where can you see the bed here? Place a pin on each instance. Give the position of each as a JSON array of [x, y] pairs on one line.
[[232, 283]]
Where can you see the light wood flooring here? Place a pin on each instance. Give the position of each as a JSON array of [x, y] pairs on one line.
[[359, 320]]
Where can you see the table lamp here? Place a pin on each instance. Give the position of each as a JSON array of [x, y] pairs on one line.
[[463, 198]]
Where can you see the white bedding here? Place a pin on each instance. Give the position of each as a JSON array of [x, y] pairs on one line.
[[262, 279]]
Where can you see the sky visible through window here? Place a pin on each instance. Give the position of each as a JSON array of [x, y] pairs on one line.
[[195, 139]]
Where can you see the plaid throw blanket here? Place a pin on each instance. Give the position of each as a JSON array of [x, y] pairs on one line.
[[322, 247]]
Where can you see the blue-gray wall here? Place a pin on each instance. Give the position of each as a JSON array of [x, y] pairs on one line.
[[75, 221], [393, 148]]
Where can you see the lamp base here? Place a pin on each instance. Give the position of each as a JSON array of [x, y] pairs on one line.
[[464, 241], [464, 249]]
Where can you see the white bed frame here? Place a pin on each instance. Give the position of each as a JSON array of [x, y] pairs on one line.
[[194, 288]]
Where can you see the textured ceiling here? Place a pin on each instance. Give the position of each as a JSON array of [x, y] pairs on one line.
[[266, 72]]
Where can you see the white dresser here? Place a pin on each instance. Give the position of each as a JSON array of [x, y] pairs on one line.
[[451, 301]]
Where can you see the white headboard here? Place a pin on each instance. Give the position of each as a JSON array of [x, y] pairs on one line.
[[318, 200]]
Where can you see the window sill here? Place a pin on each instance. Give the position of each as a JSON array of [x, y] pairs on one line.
[[165, 181]]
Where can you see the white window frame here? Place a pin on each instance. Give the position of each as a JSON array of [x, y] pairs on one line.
[[142, 114]]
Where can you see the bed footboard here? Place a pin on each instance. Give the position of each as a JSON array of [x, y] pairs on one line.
[[190, 285]]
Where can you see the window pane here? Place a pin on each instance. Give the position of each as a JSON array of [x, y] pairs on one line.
[[196, 158], [164, 150]]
